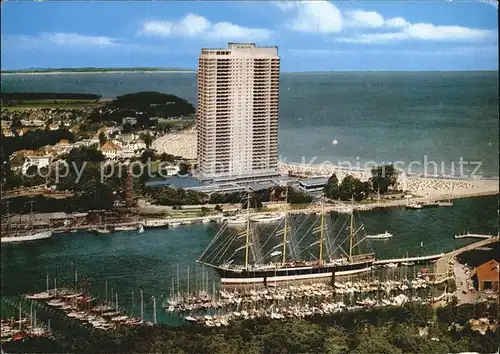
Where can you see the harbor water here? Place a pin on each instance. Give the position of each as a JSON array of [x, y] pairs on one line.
[[128, 262]]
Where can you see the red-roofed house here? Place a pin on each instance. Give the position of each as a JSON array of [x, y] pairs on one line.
[[487, 276]]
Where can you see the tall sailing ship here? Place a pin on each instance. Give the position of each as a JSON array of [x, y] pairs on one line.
[[280, 256], [22, 232]]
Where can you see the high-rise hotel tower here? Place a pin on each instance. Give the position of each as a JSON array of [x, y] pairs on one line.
[[237, 116]]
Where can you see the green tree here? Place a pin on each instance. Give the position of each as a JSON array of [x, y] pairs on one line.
[[148, 140], [183, 168], [102, 138], [332, 187], [383, 177], [353, 188], [127, 128]]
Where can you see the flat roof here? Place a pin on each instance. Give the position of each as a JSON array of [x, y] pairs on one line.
[[315, 181]]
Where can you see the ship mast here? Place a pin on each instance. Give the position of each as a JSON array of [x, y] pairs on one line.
[[248, 230], [284, 238], [321, 237], [350, 230]]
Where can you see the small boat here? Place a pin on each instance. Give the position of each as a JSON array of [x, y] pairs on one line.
[[102, 230], [126, 228], [236, 220], [408, 263], [276, 253], [391, 265], [335, 142], [382, 236], [442, 203], [267, 218], [140, 229], [206, 221], [40, 296], [414, 205], [174, 224]]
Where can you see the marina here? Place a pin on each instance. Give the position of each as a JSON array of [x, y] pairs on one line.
[[149, 261]]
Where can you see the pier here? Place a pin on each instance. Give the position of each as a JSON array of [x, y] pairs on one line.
[[469, 235]]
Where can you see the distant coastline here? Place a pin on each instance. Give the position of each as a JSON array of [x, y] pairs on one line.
[[95, 71]]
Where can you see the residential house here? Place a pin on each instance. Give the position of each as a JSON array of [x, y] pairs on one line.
[[110, 150]]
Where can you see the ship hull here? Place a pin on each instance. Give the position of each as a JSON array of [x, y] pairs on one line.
[[30, 237], [229, 276]]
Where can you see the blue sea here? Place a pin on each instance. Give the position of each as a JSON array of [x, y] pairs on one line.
[[383, 116], [377, 117]]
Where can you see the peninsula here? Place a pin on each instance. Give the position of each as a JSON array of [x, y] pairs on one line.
[[94, 70]]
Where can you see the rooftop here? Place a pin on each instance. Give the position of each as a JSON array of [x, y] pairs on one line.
[[315, 181], [488, 271]]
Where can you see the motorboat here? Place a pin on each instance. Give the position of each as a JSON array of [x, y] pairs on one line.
[[382, 236], [414, 205]]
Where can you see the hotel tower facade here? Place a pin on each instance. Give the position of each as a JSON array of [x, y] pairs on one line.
[[237, 115]]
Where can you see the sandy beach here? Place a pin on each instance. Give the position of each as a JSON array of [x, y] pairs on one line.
[[184, 144]]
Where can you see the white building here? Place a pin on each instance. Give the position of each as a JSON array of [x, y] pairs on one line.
[[130, 120], [237, 117], [38, 161], [110, 150]]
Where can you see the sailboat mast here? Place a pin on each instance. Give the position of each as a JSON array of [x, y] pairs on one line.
[[31, 214], [142, 305], [248, 230], [321, 237], [284, 238], [350, 230]]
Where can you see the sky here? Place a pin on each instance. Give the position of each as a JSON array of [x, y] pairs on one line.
[[311, 35]]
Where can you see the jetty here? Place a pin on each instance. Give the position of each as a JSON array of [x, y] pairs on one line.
[[409, 259], [469, 235]]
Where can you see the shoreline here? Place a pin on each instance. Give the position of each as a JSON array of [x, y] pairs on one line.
[[184, 144], [101, 72]]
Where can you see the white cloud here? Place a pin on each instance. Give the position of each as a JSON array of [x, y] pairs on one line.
[[77, 39], [313, 16], [427, 31], [360, 18], [396, 22], [452, 51], [424, 32], [490, 2], [193, 25]]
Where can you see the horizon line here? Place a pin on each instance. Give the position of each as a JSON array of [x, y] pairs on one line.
[[146, 68]]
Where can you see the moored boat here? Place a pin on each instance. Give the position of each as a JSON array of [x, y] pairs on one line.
[[267, 218], [27, 237], [330, 262]]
